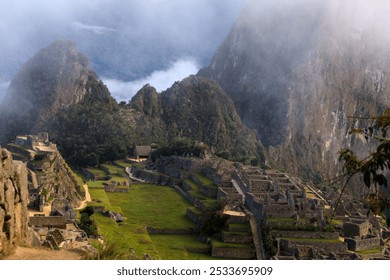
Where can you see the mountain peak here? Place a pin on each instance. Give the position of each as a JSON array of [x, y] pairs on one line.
[[53, 79]]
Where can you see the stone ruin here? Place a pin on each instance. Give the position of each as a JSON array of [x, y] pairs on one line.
[[49, 176], [295, 214]]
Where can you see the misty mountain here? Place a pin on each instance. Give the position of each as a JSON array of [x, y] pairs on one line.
[[298, 70], [54, 79], [55, 91], [124, 40]]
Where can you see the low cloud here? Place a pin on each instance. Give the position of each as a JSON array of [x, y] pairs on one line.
[[98, 30], [3, 88], [122, 39], [161, 79]]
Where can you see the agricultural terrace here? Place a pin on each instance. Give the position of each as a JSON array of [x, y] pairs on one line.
[[145, 206], [149, 206]]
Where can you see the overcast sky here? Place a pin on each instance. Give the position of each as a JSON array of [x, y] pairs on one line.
[[127, 42]]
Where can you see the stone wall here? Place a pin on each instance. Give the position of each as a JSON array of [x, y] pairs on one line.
[[113, 189], [48, 221], [235, 219], [186, 186], [358, 228], [209, 191], [98, 209], [330, 247], [241, 183], [236, 238], [193, 215], [279, 211], [305, 234], [233, 253], [230, 195], [363, 244], [261, 185], [13, 203], [250, 198], [153, 177]]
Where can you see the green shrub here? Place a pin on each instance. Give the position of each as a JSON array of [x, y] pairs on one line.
[[212, 223]]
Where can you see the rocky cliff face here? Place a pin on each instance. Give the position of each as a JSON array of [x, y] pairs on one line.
[[13, 203], [254, 63], [299, 70]]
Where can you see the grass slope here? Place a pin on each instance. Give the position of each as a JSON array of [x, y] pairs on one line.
[[148, 205]]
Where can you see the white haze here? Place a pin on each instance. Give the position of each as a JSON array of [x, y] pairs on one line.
[[98, 30], [124, 40], [161, 79], [3, 88], [129, 40]]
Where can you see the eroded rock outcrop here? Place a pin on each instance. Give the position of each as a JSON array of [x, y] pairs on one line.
[[13, 203]]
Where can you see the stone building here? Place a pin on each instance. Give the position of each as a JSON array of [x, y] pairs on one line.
[[142, 152]]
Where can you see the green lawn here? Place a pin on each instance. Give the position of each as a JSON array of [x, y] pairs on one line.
[[96, 184], [173, 247], [114, 170], [155, 206], [148, 205], [100, 198], [97, 172], [377, 250], [126, 236], [118, 179], [123, 163]]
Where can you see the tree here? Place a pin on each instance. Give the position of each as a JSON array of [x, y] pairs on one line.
[[373, 167]]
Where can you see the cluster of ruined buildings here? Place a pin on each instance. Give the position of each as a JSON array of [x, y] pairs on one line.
[[53, 223], [301, 221], [288, 219]]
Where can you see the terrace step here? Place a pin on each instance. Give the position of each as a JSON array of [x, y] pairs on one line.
[[243, 228], [236, 237], [232, 250], [193, 213], [209, 191]]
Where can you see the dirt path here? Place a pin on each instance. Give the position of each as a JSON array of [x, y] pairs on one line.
[[87, 198], [27, 253]]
